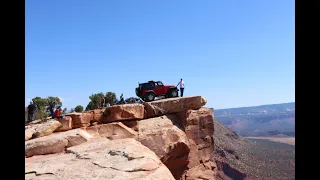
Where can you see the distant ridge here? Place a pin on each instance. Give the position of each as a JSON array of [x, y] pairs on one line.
[[262, 120]]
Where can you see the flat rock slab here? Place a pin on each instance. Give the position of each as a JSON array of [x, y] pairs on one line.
[[98, 160], [56, 143], [173, 105], [124, 112]]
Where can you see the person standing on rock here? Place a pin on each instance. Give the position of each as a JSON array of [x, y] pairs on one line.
[[181, 83], [122, 101], [31, 109], [102, 102], [51, 109]]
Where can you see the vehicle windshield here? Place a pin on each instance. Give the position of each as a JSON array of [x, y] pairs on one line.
[[160, 83]]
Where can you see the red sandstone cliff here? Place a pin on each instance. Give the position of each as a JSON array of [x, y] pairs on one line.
[[165, 139]]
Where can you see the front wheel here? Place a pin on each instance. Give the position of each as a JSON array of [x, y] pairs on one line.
[[149, 97], [173, 93]]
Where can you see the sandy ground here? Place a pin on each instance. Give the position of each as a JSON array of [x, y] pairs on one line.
[[287, 140]]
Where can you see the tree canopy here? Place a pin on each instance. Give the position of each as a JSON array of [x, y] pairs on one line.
[[42, 103], [95, 100], [111, 97], [78, 108]]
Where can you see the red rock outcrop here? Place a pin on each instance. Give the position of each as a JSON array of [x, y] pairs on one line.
[[168, 141], [66, 124], [199, 128], [173, 105], [81, 119], [97, 115], [178, 131], [124, 112]]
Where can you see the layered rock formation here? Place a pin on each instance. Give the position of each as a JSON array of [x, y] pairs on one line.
[[100, 159], [165, 139]]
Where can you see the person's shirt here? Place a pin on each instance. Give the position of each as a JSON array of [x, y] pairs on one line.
[[51, 107], [57, 113], [181, 83], [31, 108]]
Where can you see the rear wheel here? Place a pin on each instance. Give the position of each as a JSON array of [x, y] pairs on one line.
[[173, 93], [149, 97]]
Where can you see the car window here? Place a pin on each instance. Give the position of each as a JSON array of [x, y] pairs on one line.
[[149, 85], [159, 83]]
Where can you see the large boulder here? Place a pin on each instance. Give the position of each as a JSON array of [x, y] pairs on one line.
[[199, 128], [168, 141], [66, 124], [173, 105], [45, 145], [56, 143], [101, 159], [124, 112], [46, 128], [81, 119], [29, 132], [97, 115]]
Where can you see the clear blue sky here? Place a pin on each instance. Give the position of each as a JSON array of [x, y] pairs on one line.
[[234, 53]]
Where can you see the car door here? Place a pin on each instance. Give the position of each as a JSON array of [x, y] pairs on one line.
[[160, 88]]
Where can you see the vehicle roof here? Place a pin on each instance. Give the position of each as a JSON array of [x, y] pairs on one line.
[[148, 82]]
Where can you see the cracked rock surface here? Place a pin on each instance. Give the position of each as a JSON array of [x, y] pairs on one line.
[[99, 159]]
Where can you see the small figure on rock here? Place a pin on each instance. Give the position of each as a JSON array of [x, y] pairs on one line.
[[57, 113], [51, 109], [181, 83], [122, 101], [31, 109], [102, 102], [133, 100]]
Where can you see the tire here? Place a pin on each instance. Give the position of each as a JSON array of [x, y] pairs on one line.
[[173, 93], [149, 97]]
